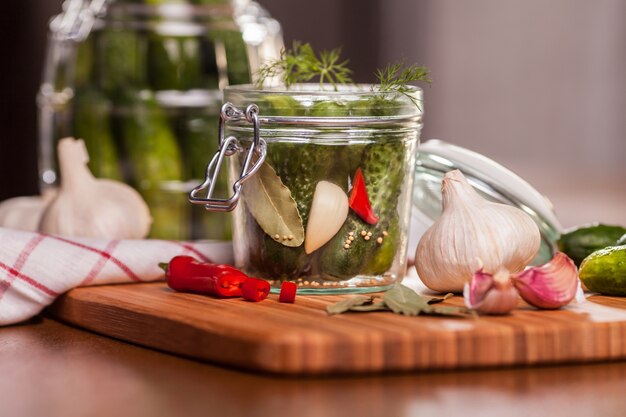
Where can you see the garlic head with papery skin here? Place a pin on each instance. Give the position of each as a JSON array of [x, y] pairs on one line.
[[89, 207], [491, 294], [24, 213], [551, 285], [329, 211], [470, 228]]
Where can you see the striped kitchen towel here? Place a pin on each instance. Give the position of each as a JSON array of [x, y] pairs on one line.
[[36, 268]]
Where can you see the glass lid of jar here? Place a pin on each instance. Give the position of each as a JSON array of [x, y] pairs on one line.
[[489, 178]]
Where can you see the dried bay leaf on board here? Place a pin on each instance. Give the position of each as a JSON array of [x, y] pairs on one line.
[[345, 305], [437, 300], [272, 206], [400, 300], [403, 300], [451, 311], [376, 306]]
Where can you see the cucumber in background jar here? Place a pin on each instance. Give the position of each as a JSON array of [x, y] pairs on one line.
[[154, 162], [197, 134], [174, 62], [121, 60], [92, 123]]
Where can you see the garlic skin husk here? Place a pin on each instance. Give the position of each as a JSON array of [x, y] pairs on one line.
[[24, 213], [469, 228], [89, 207], [491, 294], [329, 210], [551, 285]]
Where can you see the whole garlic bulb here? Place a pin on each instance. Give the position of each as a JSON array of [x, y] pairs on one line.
[[24, 213], [89, 207], [472, 228]]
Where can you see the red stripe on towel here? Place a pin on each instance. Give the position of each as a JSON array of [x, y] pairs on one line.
[[20, 262], [107, 255], [29, 280]]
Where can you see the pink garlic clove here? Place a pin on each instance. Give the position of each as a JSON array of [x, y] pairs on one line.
[[491, 294], [549, 286]]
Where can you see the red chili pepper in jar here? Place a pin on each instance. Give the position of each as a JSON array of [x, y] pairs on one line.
[[359, 201], [186, 274], [255, 289]]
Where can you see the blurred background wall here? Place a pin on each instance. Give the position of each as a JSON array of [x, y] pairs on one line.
[[540, 86]]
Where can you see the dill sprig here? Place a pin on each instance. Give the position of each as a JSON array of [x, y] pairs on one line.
[[397, 78], [301, 64]]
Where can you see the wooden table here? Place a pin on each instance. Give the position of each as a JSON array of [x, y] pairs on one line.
[[50, 369]]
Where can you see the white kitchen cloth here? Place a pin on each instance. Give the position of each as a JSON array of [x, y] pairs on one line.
[[36, 268]]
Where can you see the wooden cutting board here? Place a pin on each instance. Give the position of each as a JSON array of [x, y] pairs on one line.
[[302, 339]]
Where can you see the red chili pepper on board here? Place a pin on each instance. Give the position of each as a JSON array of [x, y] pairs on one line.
[[255, 289], [287, 292], [186, 274], [359, 201]]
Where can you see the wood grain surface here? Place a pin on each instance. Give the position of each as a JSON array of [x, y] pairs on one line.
[[302, 339], [52, 370]]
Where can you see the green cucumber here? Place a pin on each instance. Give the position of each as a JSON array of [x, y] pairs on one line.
[[174, 63], [84, 73], [329, 109], [153, 159], [382, 259], [374, 105], [197, 134], [604, 271], [238, 67], [121, 60], [581, 242], [92, 123], [280, 105], [383, 169]]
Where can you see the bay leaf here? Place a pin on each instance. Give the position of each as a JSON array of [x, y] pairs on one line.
[[403, 300], [345, 305], [452, 311], [377, 306], [436, 300], [272, 206]]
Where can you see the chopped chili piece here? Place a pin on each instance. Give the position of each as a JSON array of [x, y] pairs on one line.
[[359, 201], [186, 274], [287, 292], [255, 289]]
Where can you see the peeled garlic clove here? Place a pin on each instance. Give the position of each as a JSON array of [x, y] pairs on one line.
[[329, 211], [549, 286], [88, 207], [471, 227], [491, 294]]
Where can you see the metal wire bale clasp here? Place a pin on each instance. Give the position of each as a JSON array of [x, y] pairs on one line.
[[228, 147]]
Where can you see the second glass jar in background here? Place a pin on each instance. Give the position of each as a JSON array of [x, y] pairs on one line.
[[140, 82], [314, 136]]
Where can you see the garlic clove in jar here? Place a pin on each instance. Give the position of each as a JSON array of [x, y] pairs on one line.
[[549, 286], [471, 227], [491, 294], [89, 207], [329, 211]]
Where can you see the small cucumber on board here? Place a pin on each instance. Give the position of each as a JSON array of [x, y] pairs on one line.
[[582, 241], [604, 271]]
